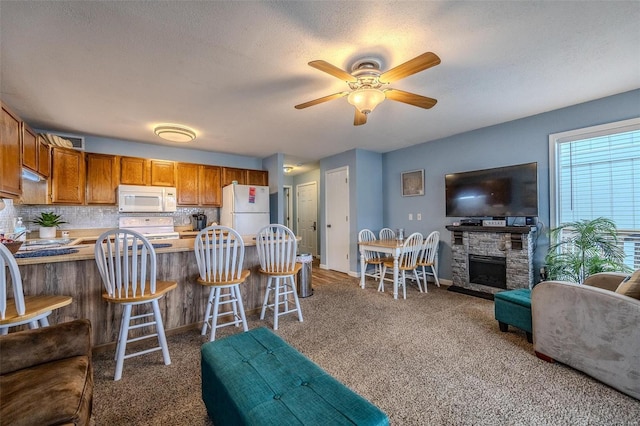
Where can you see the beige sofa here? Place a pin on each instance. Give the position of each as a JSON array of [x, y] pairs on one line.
[[591, 328]]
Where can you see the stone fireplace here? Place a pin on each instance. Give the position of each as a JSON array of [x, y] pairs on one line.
[[491, 259]]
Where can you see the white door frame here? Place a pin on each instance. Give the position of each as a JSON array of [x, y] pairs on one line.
[[288, 220], [343, 239]]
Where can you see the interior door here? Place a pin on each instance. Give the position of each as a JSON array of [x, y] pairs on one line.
[[337, 214], [288, 211], [308, 217]]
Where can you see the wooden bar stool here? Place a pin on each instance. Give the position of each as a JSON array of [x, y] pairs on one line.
[[127, 264], [220, 254], [277, 246], [32, 310]]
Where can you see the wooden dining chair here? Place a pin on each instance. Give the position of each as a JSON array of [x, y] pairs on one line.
[[387, 234], [407, 261], [428, 260], [126, 261], [21, 309], [220, 254], [277, 246], [371, 257]]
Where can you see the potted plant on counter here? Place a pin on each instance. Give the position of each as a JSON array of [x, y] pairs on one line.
[[48, 222]]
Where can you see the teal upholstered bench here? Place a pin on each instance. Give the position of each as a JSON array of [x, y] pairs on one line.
[[256, 378], [513, 307]]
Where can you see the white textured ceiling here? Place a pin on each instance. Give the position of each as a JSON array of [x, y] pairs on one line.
[[234, 70]]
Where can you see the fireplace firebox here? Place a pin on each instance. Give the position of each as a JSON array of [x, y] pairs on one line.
[[488, 270]]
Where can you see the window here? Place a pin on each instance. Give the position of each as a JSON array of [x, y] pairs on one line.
[[595, 172]]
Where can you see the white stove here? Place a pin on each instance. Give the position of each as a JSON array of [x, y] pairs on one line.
[[152, 227]]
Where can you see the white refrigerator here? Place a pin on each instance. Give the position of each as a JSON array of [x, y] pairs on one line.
[[245, 208]]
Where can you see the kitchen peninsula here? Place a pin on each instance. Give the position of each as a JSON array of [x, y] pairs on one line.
[[77, 275]]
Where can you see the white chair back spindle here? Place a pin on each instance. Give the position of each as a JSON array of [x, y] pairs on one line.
[[387, 234], [277, 246], [8, 262], [219, 254]]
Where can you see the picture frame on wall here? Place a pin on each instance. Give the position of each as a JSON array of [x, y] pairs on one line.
[[412, 183]]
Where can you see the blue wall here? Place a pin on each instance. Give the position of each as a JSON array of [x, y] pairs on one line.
[[520, 141]]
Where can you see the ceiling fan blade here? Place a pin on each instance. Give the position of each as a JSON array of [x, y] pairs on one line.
[[321, 100], [410, 98], [360, 118], [417, 64], [333, 70]]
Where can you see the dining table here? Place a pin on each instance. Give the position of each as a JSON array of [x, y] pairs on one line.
[[390, 247]]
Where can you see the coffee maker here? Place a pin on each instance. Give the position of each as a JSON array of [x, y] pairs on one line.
[[198, 221]]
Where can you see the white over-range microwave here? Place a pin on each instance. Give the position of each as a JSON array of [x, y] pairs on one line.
[[135, 198]]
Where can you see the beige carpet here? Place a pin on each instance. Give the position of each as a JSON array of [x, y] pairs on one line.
[[433, 359]]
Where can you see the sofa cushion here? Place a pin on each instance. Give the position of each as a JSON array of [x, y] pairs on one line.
[[631, 287], [39, 395]]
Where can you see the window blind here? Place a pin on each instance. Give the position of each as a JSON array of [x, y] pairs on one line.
[[597, 174]]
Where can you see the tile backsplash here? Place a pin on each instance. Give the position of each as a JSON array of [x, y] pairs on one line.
[[86, 217]]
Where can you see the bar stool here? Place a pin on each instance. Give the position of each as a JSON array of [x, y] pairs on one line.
[[277, 246], [127, 264], [32, 310], [220, 253]]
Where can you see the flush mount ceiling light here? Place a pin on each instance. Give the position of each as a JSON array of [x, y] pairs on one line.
[[175, 133], [287, 169]]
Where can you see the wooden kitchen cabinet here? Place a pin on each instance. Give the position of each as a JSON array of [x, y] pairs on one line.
[[68, 177], [102, 178], [229, 174], [44, 157], [10, 154], [163, 173], [257, 177], [133, 171], [35, 152], [30, 149], [210, 188], [187, 184], [198, 185]]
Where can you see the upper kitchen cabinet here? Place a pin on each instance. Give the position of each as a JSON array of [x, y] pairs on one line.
[[244, 176], [163, 173], [10, 154], [35, 152], [134, 171], [229, 174], [198, 185], [44, 157], [102, 178], [257, 177], [67, 183], [141, 171]]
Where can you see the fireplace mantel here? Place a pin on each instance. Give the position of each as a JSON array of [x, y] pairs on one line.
[[513, 243]]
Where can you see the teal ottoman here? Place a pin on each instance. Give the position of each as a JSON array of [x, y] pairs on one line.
[[513, 307], [256, 378]]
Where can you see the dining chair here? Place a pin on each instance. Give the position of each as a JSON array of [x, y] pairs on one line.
[[428, 260], [387, 234], [126, 261], [220, 254], [371, 257], [407, 261], [21, 309], [277, 245]]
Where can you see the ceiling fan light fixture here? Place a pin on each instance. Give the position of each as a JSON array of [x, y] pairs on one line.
[[366, 99], [175, 133]]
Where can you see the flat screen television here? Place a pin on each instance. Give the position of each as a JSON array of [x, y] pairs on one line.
[[509, 191]]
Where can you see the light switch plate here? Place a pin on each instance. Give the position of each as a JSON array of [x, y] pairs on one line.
[[410, 216], [419, 216]]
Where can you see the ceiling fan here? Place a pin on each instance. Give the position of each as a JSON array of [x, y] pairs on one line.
[[367, 83]]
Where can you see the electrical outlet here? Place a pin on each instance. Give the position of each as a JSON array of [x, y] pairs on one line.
[[410, 216], [419, 216]]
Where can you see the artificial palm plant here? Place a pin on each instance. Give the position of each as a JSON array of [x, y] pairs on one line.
[[582, 248]]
